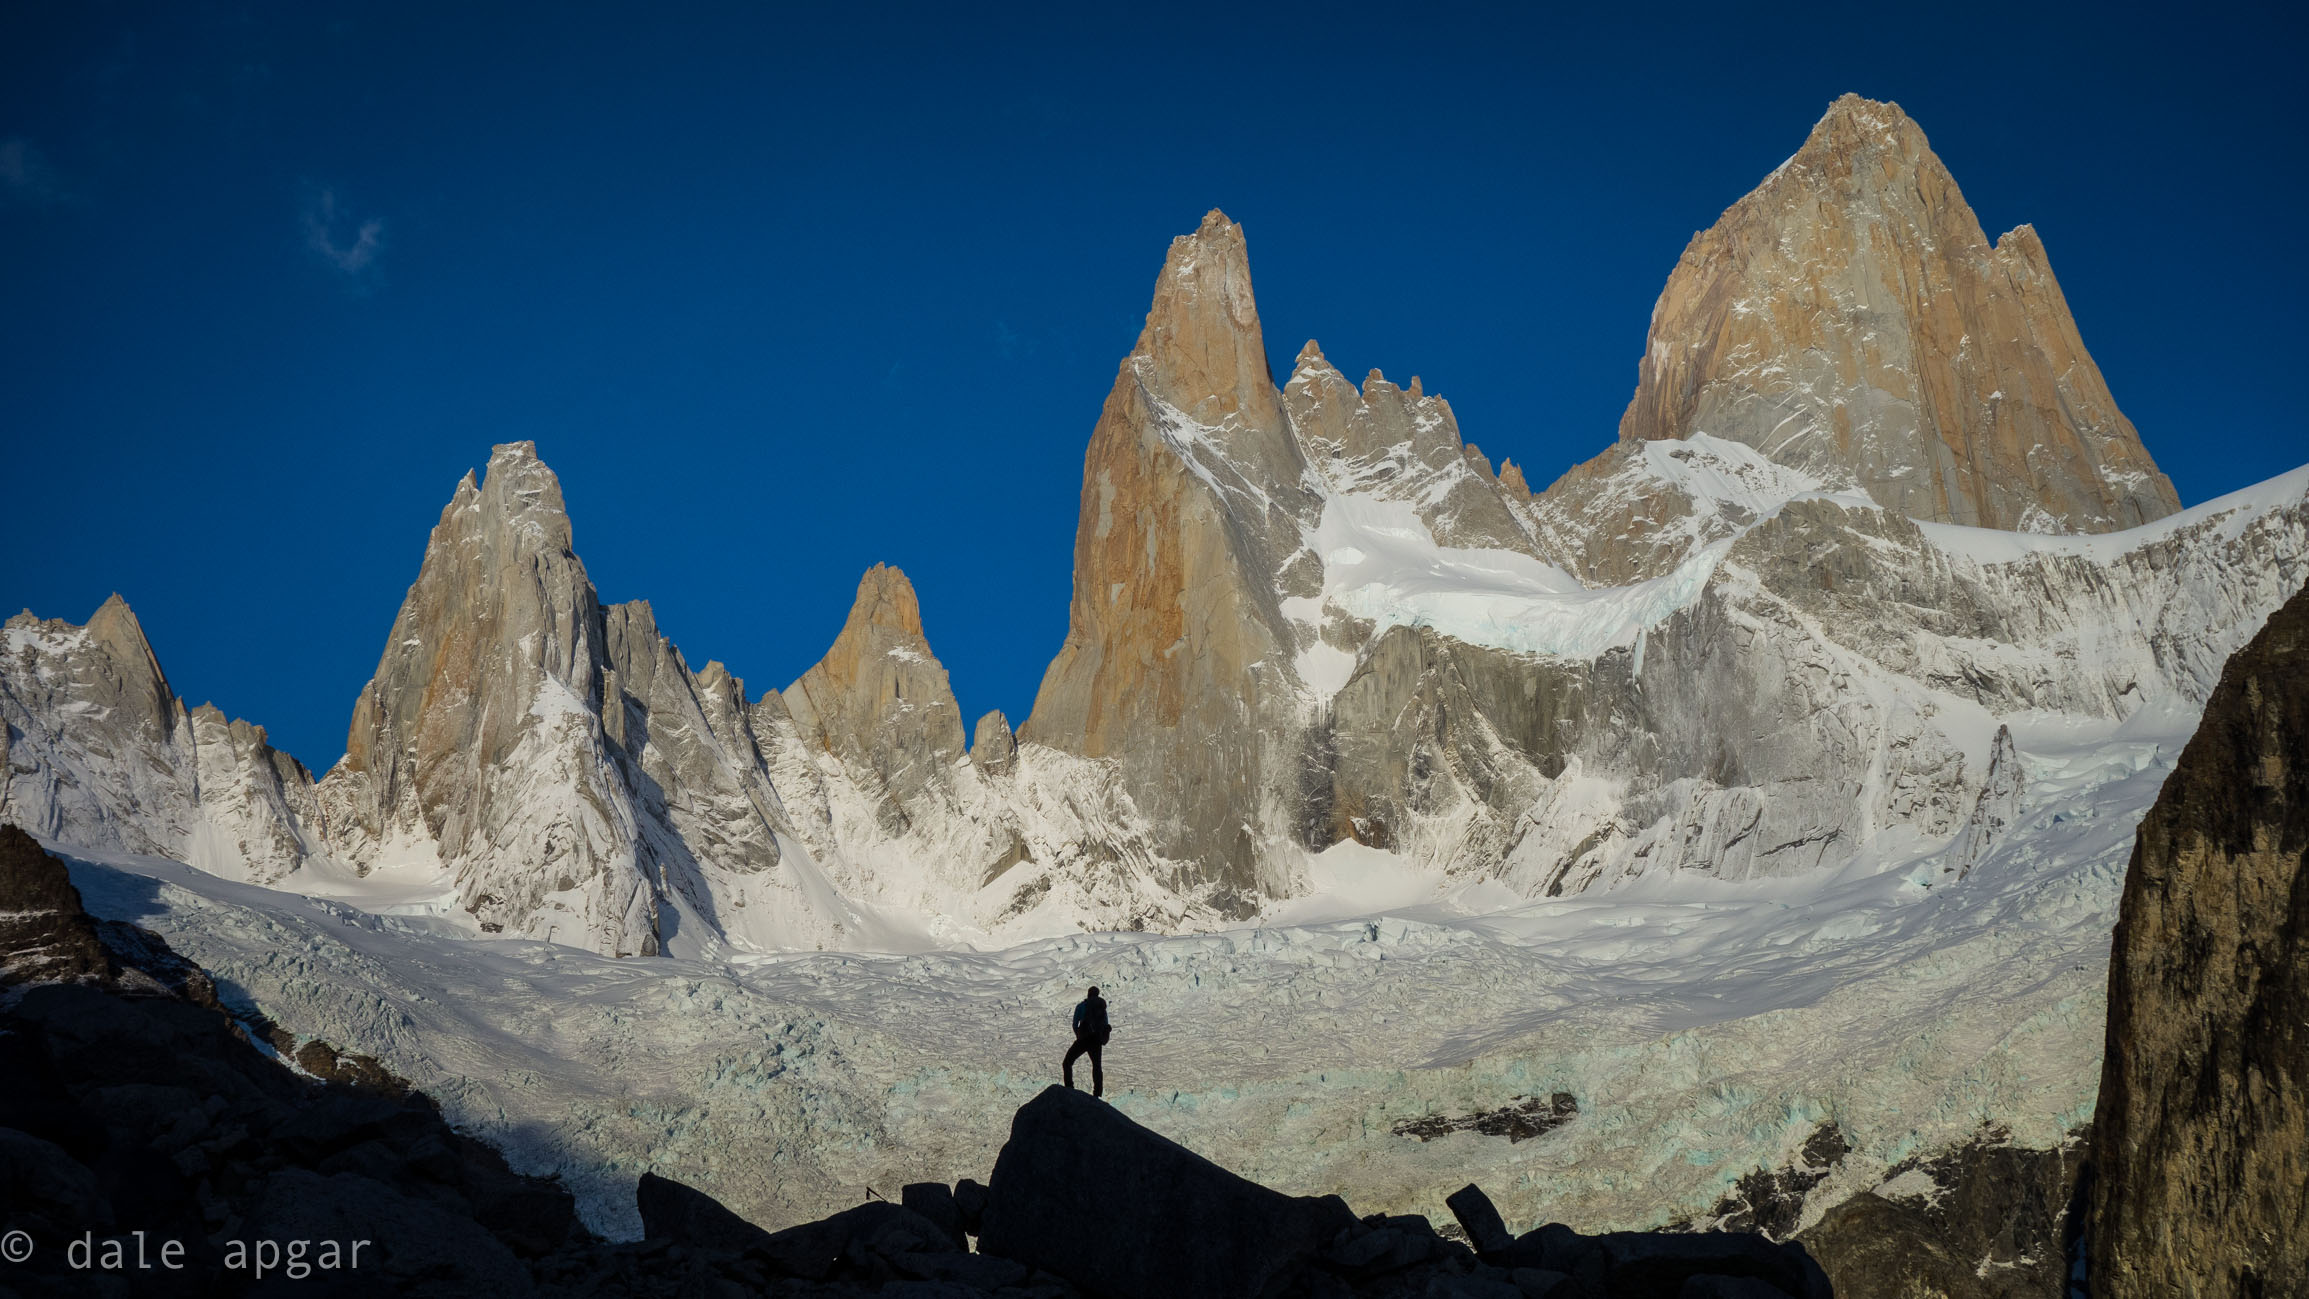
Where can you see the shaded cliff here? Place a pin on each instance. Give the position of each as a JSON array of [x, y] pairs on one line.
[[2202, 1131]]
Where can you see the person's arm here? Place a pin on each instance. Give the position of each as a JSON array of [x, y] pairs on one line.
[[1080, 1009]]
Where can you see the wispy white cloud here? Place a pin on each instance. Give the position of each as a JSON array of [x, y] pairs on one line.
[[337, 238], [25, 175]]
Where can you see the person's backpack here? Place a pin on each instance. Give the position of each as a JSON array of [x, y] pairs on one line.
[[1094, 1025]]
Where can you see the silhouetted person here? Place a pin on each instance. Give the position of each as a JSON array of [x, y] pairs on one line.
[[1090, 1034]]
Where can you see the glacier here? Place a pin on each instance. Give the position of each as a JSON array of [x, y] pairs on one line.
[[1704, 1026]]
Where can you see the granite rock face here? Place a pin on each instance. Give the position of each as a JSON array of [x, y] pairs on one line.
[[993, 745], [45, 936], [2201, 1179], [1642, 510], [496, 668], [1176, 663], [97, 750], [558, 757], [879, 700], [1850, 319]]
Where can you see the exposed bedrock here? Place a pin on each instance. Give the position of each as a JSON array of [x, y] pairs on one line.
[[2201, 1182], [1851, 319]]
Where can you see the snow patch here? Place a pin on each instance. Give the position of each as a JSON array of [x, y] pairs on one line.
[[1380, 563]]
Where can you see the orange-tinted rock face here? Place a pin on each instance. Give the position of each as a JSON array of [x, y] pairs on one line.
[[879, 700], [1177, 661], [1850, 319]]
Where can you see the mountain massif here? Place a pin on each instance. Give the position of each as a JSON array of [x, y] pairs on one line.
[[1872, 523]]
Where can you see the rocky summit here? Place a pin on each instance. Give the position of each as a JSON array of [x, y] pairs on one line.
[[1851, 320], [557, 757], [96, 749], [1194, 503]]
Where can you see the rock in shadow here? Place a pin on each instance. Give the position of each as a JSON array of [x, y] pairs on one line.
[[1984, 1220], [1083, 1192]]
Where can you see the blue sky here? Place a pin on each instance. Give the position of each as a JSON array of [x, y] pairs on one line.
[[782, 293]]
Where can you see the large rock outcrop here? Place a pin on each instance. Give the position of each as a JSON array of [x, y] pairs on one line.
[[1984, 1220], [557, 757], [1850, 319], [97, 750], [879, 701], [2202, 1133], [1177, 661], [480, 738], [1084, 1192], [45, 934]]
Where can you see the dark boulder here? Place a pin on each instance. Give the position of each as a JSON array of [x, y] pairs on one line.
[[1553, 1248], [1085, 1193], [1539, 1283], [1641, 1264], [1479, 1218], [969, 1203], [1644, 1264], [858, 1236], [46, 1191], [416, 1247], [972, 1271], [1728, 1287], [1376, 1251], [674, 1212], [35, 1100], [935, 1202]]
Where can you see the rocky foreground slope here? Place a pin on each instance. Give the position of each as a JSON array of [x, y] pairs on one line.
[[2202, 1135]]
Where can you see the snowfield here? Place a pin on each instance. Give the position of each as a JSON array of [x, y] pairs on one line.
[[1704, 1026]]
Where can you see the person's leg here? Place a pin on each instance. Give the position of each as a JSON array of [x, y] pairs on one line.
[[1068, 1068], [1097, 1071]]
